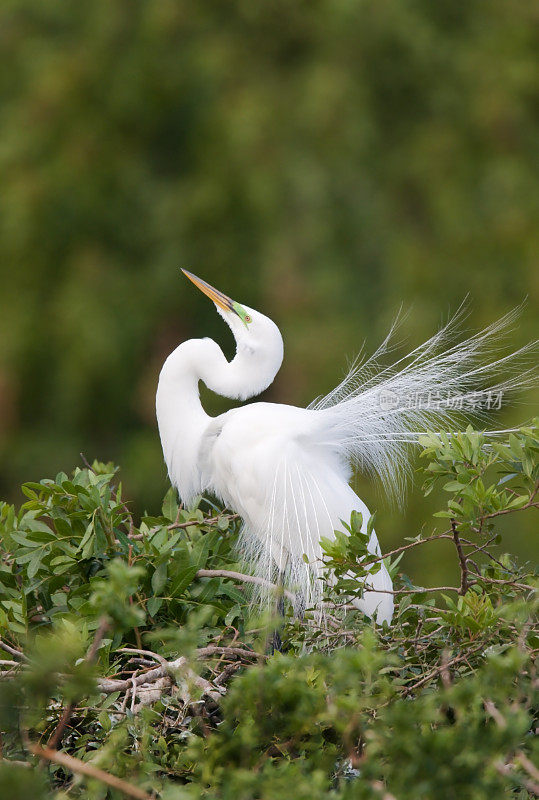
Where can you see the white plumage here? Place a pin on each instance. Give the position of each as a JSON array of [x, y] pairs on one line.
[[286, 470]]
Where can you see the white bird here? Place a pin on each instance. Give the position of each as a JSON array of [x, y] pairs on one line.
[[286, 470]]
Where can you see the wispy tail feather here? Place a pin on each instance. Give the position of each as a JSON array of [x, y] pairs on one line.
[[377, 413]]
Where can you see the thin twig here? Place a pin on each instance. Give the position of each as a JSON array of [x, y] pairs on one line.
[[525, 762], [373, 559], [213, 649], [12, 650], [517, 585], [443, 667], [483, 549], [462, 559], [228, 671], [418, 590], [178, 525], [239, 576], [530, 504], [86, 464], [493, 712], [506, 769], [141, 652], [88, 769], [134, 692]]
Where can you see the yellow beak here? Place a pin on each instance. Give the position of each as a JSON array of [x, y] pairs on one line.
[[218, 297]]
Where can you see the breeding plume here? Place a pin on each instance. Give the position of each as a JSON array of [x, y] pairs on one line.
[[286, 470]]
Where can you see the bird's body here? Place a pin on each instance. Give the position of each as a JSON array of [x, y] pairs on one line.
[[307, 497], [267, 462], [286, 470]]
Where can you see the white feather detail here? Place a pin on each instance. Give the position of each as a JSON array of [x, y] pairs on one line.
[[307, 498], [377, 412]]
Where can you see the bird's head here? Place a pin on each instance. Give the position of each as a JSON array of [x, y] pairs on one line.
[[257, 337]]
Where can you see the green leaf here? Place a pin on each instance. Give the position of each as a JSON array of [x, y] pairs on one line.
[[182, 580], [34, 564], [159, 578], [233, 614], [453, 486], [356, 521], [100, 540], [63, 528], [105, 721], [170, 505], [200, 551], [518, 502], [223, 523], [153, 605]]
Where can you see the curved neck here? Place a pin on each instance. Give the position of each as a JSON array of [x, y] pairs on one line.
[[181, 418]]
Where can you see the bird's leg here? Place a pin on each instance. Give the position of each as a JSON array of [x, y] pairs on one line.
[[276, 643]]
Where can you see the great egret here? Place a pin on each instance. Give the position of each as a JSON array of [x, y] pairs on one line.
[[286, 470]]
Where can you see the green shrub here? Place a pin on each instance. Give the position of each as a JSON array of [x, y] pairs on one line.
[[133, 648]]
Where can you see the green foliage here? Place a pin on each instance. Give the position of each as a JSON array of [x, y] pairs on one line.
[[72, 554], [467, 463], [111, 595], [168, 682]]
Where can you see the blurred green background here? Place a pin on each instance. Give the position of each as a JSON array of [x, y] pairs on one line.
[[323, 161]]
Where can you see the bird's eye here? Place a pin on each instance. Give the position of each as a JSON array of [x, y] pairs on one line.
[[248, 318]]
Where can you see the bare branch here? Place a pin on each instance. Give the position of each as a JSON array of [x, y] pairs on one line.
[[530, 768], [241, 652], [462, 559], [178, 525], [141, 652], [506, 769], [493, 712], [88, 769], [166, 670], [417, 590], [517, 585], [239, 576], [12, 650]]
